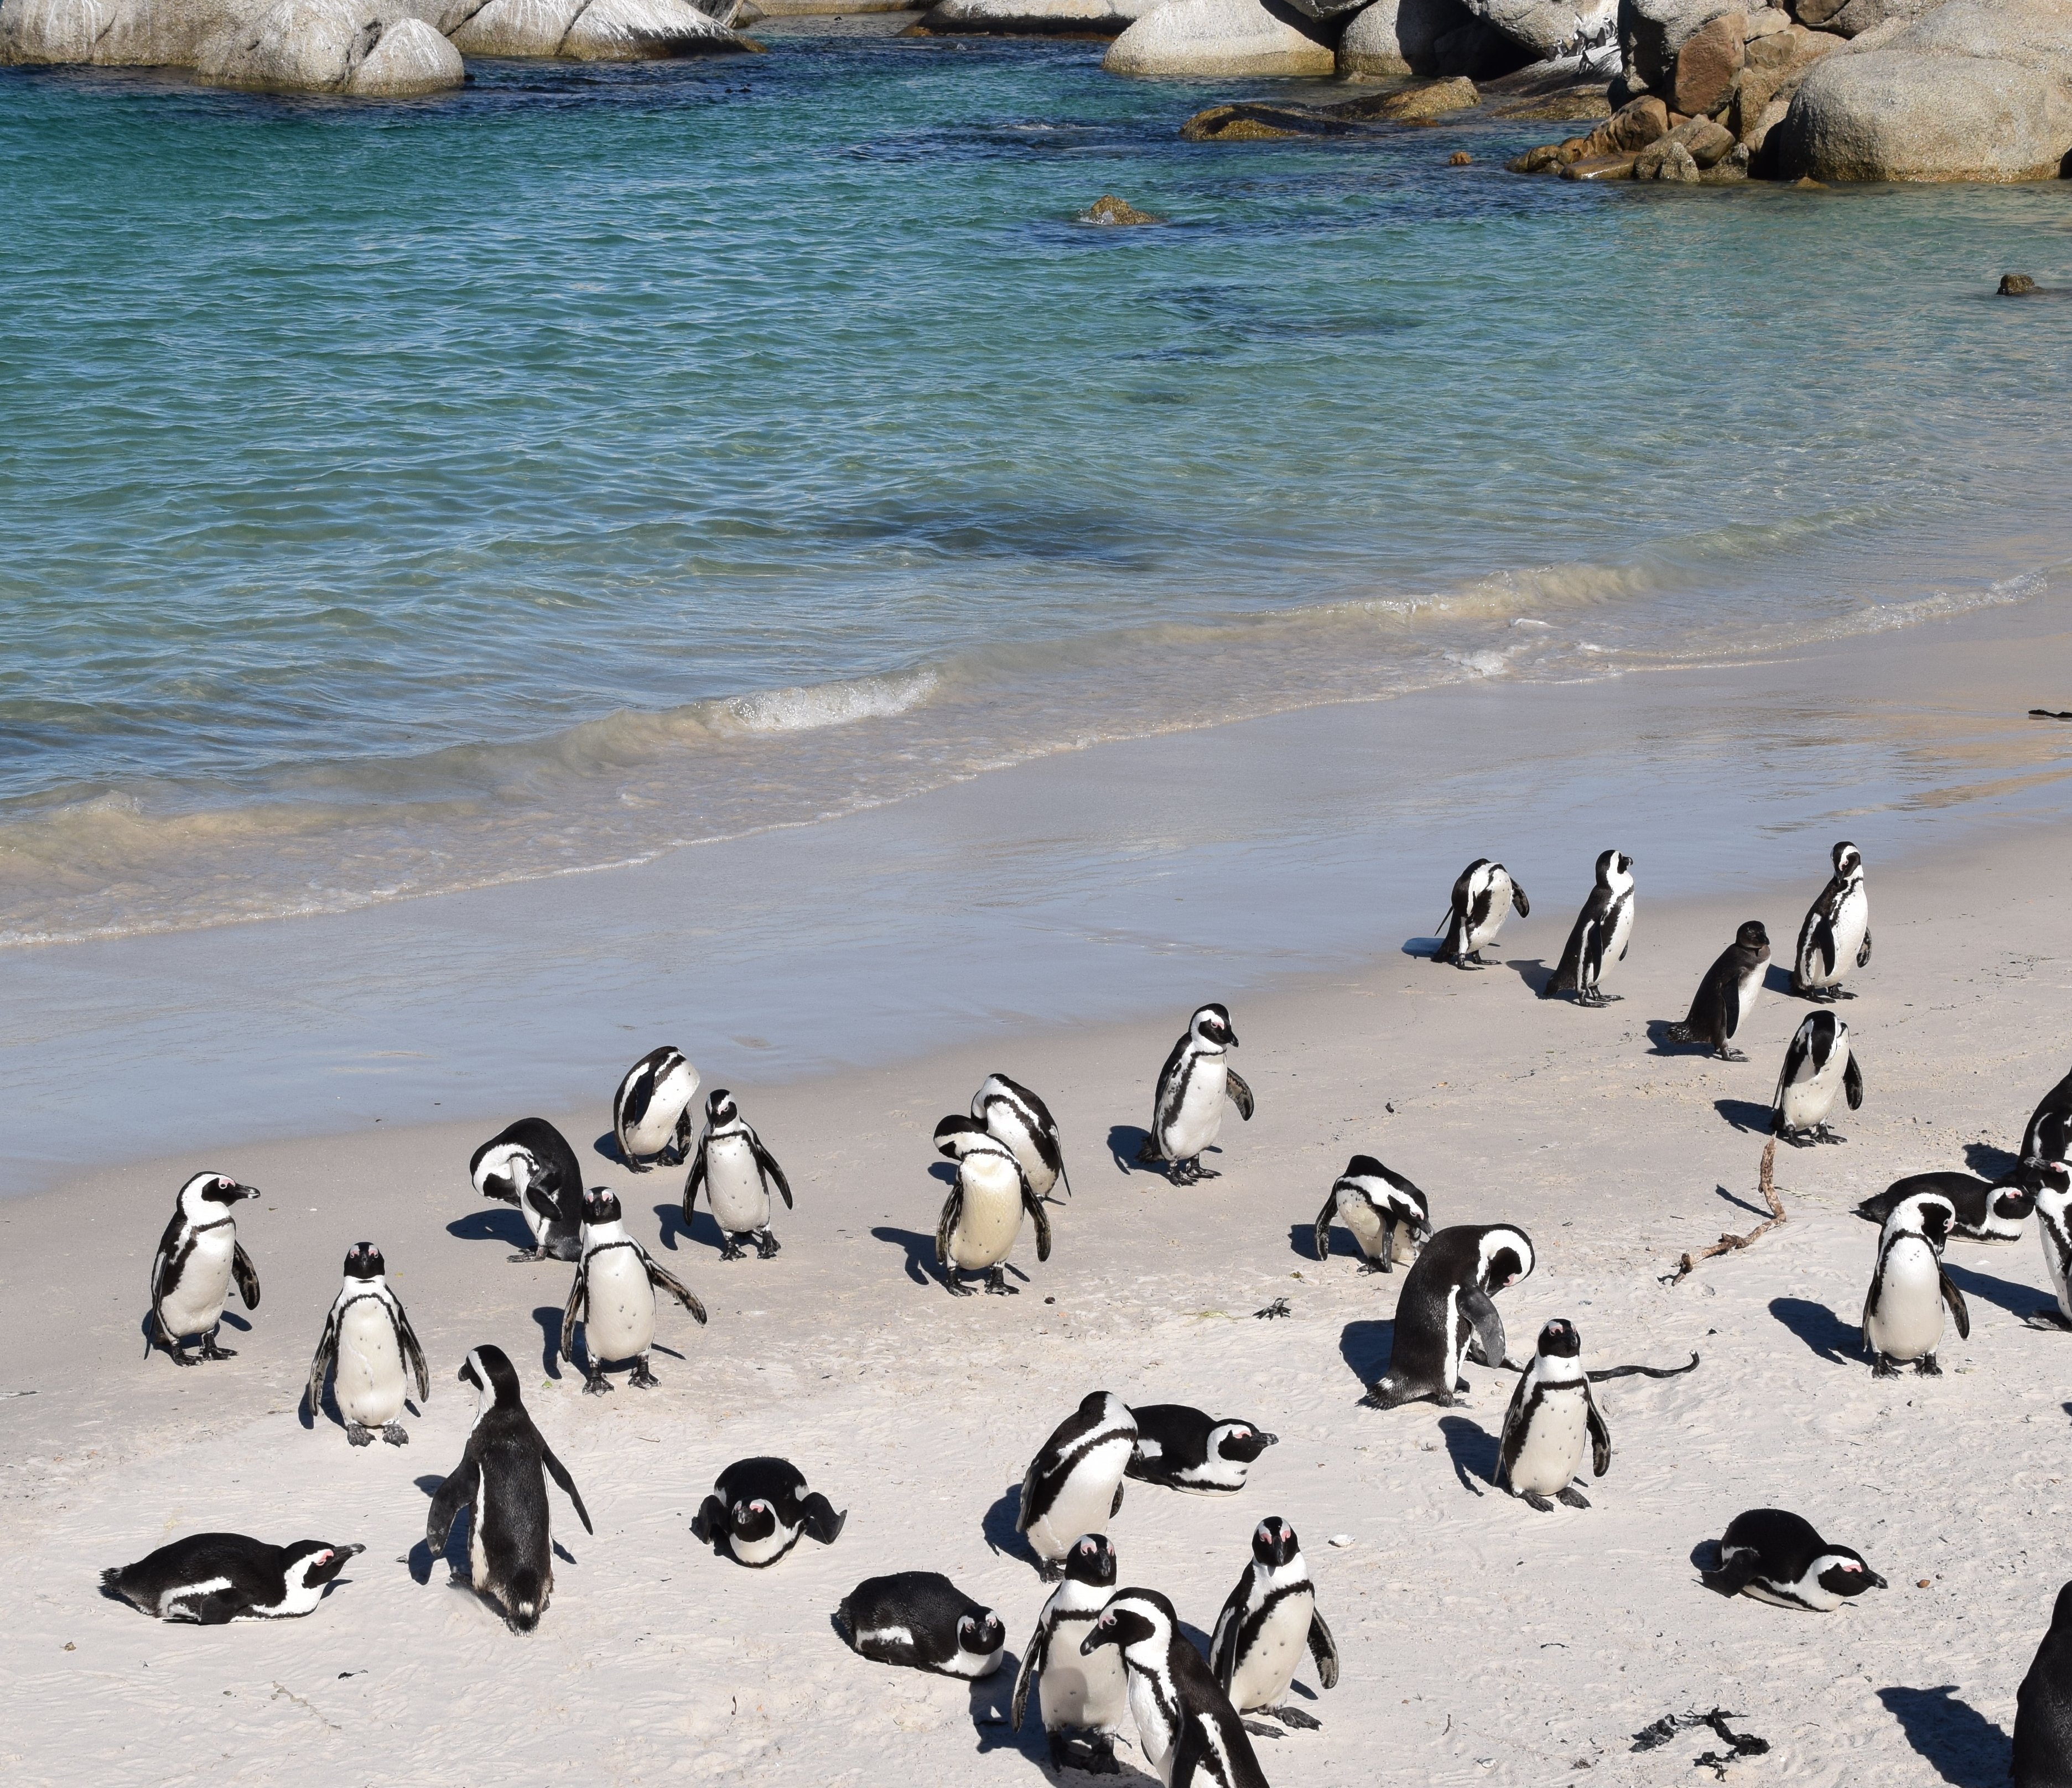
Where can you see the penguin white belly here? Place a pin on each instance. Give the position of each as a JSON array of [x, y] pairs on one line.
[[1851, 922], [1087, 1503], [991, 1218], [1092, 1693], [368, 1374], [740, 1201], [772, 1546], [1908, 1321], [1261, 1680], [1813, 1596], [1554, 1439], [620, 1319], [1808, 1102], [1750, 986], [1359, 1216], [1499, 910], [2051, 1233], [1159, 1740], [1200, 1118], [1621, 932], [196, 1302], [658, 1123]]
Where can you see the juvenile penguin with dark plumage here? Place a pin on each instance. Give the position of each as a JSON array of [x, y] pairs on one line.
[[1726, 995], [1600, 935]]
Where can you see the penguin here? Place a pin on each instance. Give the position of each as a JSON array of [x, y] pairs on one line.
[[1267, 1622], [1483, 898], [1190, 1733], [208, 1578], [1903, 1310], [737, 1172], [1018, 1118], [2053, 1228], [1726, 995], [613, 1294], [1817, 1064], [1776, 1556], [2049, 1135], [1992, 1211], [1448, 1296], [982, 1216], [757, 1509], [1187, 1449], [1551, 1414], [1188, 1111], [1073, 1484], [921, 1620], [198, 1256], [1602, 930], [500, 1479], [1386, 1214], [372, 1352], [1836, 933], [1083, 1700], [2043, 1707], [651, 1113], [531, 1165]]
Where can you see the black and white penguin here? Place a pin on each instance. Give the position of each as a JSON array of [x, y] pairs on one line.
[[1083, 1700], [737, 1171], [1483, 897], [1022, 1120], [2049, 1135], [1836, 936], [531, 1165], [501, 1478], [1726, 995], [1903, 1310], [1601, 931], [2043, 1708], [922, 1621], [982, 1216], [757, 1509], [198, 1256], [1186, 1448], [370, 1350], [1388, 1215], [1446, 1298], [613, 1296], [2053, 1229], [651, 1113], [212, 1578], [1268, 1621], [1988, 1210], [1190, 1733], [1776, 1556], [1552, 1415], [1819, 1063], [1073, 1484], [1188, 1111]]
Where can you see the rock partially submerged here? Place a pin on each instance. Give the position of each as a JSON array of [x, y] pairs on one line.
[[588, 30], [1109, 210], [1222, 37], [1256, 122], [1030, 17]]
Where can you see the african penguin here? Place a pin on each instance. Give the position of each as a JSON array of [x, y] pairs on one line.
[[1446, 1297], [982, 1216], [1551, 1415], [737, 1171], [502, 1479], [1903, 1310], [370, 1350], [198, 1256], [1726, 995], [1190, 1733], [1083, 1700], [1018, 1118], [2053, 1229], [651, 1113], [1992, 1211], [1267, 1622], [1836, 933], [1776, 1556], [1602, 930], [1073, 1484], [1819, 1063], [530, 1165], [1483, 897], [757, 1509], [2048, 1134], [1187, 1110], [1386, 1213], [2043, 1707], [922, 1621], [208, 1578], [1188, 1449], [614, 1295]]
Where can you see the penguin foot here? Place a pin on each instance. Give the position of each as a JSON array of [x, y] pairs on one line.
[[1574, 1498], [527, 1256], [642, 1378], [1926, 1367], [767, 1249], [210, 1349], [1534, 1500], [955, 1282], [1883, 1368], [1295, 1717], [2047, 1318], [358, 1436], [1727, 1054], [1381, 1265], [1822, 1133], [1259, 1730], [997, 1284], [1093, 1753], [1839, 993], [396, 1434], [1798, 1139], [730, 1250], [1385, 1393], [596, 1385], [180, 1356]]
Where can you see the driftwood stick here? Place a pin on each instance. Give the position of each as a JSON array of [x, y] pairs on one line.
[[1765, 1184]]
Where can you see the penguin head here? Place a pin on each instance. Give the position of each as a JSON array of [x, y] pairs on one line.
[[1613, 868], [502, 1170], [1849, 860], [601, 1206], [1274, 1543], [489, 1370], [1091, 1561], [981, 1633], [1211, 1024], [1559, 1339], [1409, 1205], [1928, 1215], [310, 1564], [753, 1520], [1240, 1442], [1139, 1622], [956, 1135], [206, 1196], [363, 1261], [720, 1108], [2013, 1200], [1841, 1572], [1506, 1257], [1752, 935]]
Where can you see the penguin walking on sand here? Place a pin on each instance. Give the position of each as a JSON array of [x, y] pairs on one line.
[[1836, 935], [1388, 1215], [651, 1113], [613, 1296], [759, 1508], [1186, 1448], [198, 1256], [210, 1579], [1190, 1733], [1551, 1417], [919, 1620], [1081, 1701], [737, 1173], [1819, 1063], [1018, 1118], [1187, 1110], [370, 1350], [2043, 1707], [2053, 1228], [1446, 1299], [1903, 1310], [501, 1478], [1601, 931], [1073, 1484], [1483, 897], [1267, 1622], [1776, 1556], [982, 1216], [1726, 995], [530, 1165]]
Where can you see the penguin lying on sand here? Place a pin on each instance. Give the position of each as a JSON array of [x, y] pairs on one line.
[[530, 1164], [370, 1352], [1187, 1110], [1726, 995], [1386, 1213], [921, 1620], [1082, 1699], [1267, 1622], [1836, 935], [1988, 1210], [1483, 896], [1602, 930], [757, 1509], [1776, 1556], [212, 1578], [1187, 1449], [1073, 1487], [1819, 1063], [1445, 1298], [1190, 1733], [198, 1256]]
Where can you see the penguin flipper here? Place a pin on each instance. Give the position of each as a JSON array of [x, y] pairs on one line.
[[1518, 899], [709, 1526], [413, 1356], [1479, 1309], [1852, 1083], [1230, 1624], [823, 1520], [768, 1162], [693, 1181], [1240, 1093], [1324, 1648], [1863, 955], [1032, 1662], [247, 1275], [1871, 1300], [1114, 1508], [1600, 1435], [1955, 1300], [1324, 1226], [953, 1208], [1034, 1207], [1735, 1573], [574, 1309], [456, 1494], [1511, 1441], [560, 1473], [662, 1278], [320, 1361]]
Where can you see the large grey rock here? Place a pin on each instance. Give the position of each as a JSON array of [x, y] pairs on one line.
[[1545, 29], [1221, 37], [1652, 32], [1031, 17], [1399, 37], [1859, 16], [589, 31], [140, 33]]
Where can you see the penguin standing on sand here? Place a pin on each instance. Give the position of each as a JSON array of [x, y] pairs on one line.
[[372, 1352], [1018, 1118], [1073, 1484], [1551, 1415], [1602, 930], [2049, 1135], [1819, 1063], [757, 1509], [982, 1216], [502, 1478], [1190, 1733], [1268, 1621], [1446, 1298], [1483, 898], [651, 1113], [614, 1295], [1836, 935], [737, 1172], [531, 1165], [2053, 1229], [1903, 1310], [1386, 1214], [1776, 1556], [2043, 1707], [198, 1256], [1188, 1111], [210, 1579], [919, 1620], [1083, 1700], [1726, 995]]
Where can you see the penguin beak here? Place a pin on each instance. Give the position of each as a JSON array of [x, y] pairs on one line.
[[1877, 1582]]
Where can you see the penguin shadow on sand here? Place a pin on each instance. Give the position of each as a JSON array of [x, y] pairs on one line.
[[1473, 1450], [147, 1328], [1745, 1114], [1001, 1536], [1957, 1741], [2017, 1300], [1365, 1347], [1125, 1142], [1339, 1244], [499, 1223], [327, 1407], [1821, 1329], [422, 1558], [1989, 1162], [607, 1146], [702, 1228]]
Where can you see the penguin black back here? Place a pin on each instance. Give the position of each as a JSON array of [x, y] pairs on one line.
[[1448, 1296], [1728, 993], [2043, 1707]]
